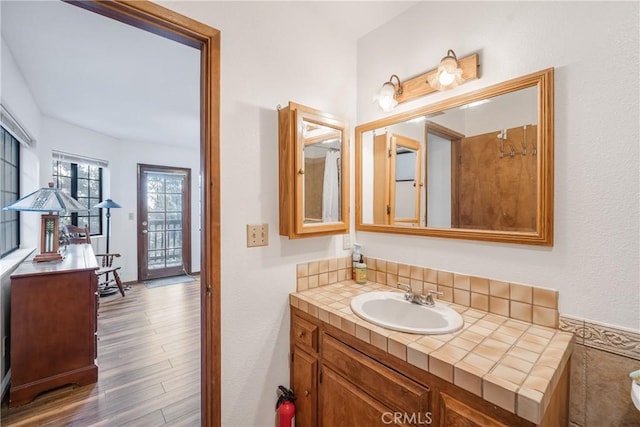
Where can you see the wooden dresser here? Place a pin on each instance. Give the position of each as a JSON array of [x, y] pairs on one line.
[[53, 324]]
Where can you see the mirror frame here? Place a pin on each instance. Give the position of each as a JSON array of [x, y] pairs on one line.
[[543, 234], [291, 170]]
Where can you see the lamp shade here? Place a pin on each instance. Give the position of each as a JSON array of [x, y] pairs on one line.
[[107, 204], [52, 200], [47, 199], [386, 97], [448, 75]]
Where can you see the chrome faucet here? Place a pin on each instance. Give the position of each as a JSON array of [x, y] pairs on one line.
[[428, 299], [419, 299]]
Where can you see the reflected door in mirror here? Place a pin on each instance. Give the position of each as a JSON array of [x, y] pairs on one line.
[[397, 179], [487, 166], [497, 179]]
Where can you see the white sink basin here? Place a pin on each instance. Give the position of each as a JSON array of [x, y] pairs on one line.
[[390, 310]]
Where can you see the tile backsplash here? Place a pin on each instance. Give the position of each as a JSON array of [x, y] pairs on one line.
[[518, 301], [603, 355]]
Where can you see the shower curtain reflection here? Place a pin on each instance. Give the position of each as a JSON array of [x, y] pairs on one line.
[[331, 187]]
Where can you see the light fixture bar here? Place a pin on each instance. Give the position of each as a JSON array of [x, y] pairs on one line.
[[417, 86]]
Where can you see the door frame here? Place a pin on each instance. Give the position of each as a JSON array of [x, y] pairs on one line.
[[186, 223], [164, 22]]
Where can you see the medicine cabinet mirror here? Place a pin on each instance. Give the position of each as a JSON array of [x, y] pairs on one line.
[[314, 174], [476, 166]]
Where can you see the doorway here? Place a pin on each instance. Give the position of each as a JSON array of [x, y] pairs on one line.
[[164, 221], [172, 25]]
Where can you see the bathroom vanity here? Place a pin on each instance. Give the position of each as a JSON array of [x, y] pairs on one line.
[[495, 371]]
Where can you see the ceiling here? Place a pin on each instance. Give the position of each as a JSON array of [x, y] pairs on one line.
[[100, 74]]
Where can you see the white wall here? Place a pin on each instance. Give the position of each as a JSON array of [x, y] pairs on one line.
[[264, 62], [16, 97], [272, 53], [119, 183], [123, 229], [120, 180], [594, 261], [15, 93], [439, 182]]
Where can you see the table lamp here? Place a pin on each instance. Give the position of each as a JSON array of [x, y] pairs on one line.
[[53, 201], [108, 204]]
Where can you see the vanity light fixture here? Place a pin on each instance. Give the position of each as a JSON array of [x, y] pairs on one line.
[[450, 73], [387, 96]]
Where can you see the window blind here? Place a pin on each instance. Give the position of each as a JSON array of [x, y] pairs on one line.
[[76, 158], [11, 125]]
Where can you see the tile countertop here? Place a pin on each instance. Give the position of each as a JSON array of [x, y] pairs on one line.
[[510, 363]]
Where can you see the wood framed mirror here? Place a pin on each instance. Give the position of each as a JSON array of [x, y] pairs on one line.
[[314, 172], [485, 167]]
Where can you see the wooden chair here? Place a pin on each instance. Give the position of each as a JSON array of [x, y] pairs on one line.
[[107, 274], [75, 235]]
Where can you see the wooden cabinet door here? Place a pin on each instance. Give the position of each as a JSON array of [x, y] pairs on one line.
[[304, 384], [377, 380], [454, 413], [344, 405], [312, 144]]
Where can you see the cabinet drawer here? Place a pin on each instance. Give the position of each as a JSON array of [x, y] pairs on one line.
[[386, 385], [455, 412], [304, 334]]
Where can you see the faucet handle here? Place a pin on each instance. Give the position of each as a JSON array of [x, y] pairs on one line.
[[431, 292], [408, 295], [428, 298], [405, 286]]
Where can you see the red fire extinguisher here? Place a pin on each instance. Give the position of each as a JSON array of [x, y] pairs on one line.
[[285, 407]]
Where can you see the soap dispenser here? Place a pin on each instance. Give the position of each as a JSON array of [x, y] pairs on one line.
[[361, 271], [355, 258]]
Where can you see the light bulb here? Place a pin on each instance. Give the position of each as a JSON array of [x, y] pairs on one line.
[[446, 78], [386, 97]]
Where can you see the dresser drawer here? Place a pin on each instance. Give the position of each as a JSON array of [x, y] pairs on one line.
[[379, 381], [304, 334]]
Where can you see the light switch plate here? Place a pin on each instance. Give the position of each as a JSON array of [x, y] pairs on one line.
[[346, 242], [257, 235]]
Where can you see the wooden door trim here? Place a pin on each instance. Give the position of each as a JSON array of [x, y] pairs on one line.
[[172, 25], [186, 209], [412, 144]]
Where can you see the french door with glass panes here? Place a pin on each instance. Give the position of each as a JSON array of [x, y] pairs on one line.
[[164, 221]]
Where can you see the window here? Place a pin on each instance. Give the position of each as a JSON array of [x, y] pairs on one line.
[[9, 192], [83, 182]]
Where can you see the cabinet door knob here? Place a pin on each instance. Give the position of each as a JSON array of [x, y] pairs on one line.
[[301, 334], [306, 393], [301, 172]]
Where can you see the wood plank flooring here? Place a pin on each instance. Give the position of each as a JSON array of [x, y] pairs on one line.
[[148, 366]]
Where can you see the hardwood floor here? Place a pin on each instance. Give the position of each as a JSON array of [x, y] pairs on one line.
[[148, 366]]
